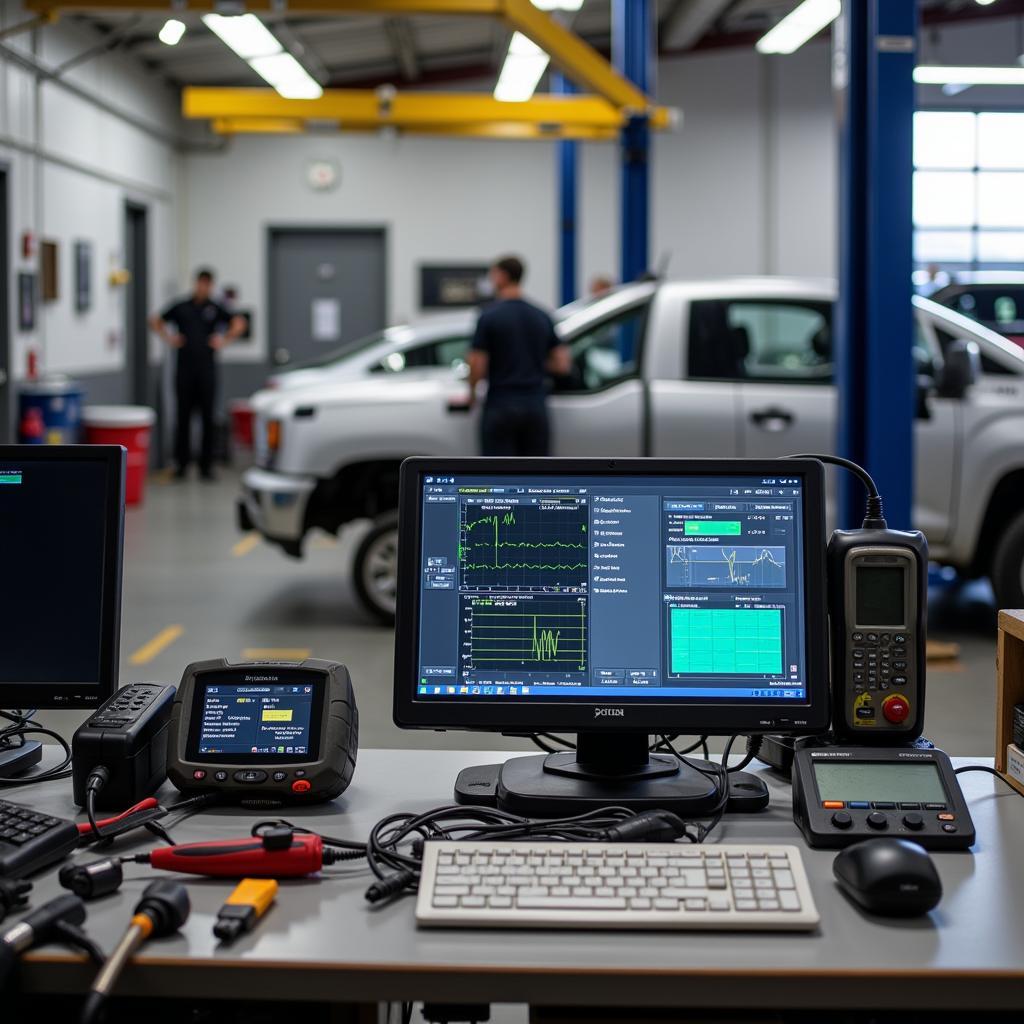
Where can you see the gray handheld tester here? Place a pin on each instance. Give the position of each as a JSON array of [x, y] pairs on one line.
[[878, 603]]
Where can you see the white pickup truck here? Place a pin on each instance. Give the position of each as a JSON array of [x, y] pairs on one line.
[[726, 368]]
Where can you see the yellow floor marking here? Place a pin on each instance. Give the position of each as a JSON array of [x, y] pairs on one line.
[[147, 652], [276, 653], [246, 544]]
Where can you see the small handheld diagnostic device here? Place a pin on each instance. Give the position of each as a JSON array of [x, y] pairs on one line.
[[264, 733], [842, 795], [878, 605]]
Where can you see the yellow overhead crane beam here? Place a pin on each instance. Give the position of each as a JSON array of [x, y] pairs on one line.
[[575, 58], [453, 113]]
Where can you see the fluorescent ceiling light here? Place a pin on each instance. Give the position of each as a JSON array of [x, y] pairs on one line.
[[562, 5], [261, 49], [935, 74], [287, 76], [801, 24], [172, 32], [984, 3], [524, 65], [243, 33]]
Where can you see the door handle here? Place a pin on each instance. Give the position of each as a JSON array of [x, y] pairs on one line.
[[772, 419]]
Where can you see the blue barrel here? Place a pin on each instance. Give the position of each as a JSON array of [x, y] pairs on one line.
[[50, 411]]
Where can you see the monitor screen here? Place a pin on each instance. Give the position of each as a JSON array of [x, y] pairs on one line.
[[60, 519], [252, 722], [624, 587]]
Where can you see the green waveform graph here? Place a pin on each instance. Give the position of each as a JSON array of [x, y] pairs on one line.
[[529, 547], [529, 634]]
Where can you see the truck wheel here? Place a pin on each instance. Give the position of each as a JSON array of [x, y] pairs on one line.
[[375, 568], [1007, 573]]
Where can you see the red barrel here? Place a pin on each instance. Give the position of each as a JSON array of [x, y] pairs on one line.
[[128, 425], [241, 423]]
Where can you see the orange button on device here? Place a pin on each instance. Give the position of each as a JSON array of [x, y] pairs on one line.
[[301, 786], [946, 817], [833, 804]]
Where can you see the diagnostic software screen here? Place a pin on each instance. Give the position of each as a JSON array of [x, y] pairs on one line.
[[53, 523], [617, 587], [249, 719]]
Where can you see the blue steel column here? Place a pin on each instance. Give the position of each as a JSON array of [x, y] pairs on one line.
[[568, 205], [633, 53], [874, 63]]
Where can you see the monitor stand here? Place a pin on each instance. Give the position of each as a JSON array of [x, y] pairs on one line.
[[605, 769], [15, 760]]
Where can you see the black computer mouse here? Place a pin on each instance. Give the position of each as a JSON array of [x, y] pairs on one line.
[[892, 877]]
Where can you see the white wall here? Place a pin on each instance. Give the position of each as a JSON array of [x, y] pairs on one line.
[[71, 167]]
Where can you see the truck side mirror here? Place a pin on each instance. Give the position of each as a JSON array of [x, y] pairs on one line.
[[962, 368]]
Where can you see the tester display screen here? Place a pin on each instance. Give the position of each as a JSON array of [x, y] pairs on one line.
[[898, 782], [625, 587], [255, 722], [879, 596]]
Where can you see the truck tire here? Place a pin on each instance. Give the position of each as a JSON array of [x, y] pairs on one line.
[[375, 568], [1007, 572]]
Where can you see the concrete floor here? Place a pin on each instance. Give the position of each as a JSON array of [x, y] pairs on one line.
[[186, 565]]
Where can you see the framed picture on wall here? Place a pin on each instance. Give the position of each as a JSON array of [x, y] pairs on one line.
[[83, 276], [452, 286], [49, 261], [26, 301]]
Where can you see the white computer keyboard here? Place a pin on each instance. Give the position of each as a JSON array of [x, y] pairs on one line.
[[490, 884]]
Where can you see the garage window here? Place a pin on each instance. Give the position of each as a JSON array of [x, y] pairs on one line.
[[597, 353], [449, 352], [761, 340], [968, 190]]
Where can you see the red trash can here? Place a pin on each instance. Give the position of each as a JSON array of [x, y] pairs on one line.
[[242, 418], [128, 425]]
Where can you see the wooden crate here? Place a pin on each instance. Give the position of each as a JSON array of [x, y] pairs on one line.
[[1009, 683]]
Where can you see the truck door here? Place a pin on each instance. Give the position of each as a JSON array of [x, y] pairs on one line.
[[783, 367], [599, 410]]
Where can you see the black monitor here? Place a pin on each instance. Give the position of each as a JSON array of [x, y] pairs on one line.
[[62, 530], [614, 599]]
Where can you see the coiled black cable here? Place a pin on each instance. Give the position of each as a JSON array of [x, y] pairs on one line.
[[12, 736]]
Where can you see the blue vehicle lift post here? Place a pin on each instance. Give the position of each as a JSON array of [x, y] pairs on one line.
[[568, 205], [875, 43]]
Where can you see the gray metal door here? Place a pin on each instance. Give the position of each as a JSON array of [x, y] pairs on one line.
[[326, 288], [6, 412]]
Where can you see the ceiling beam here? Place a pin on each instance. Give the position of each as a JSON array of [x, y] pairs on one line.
[[482, 130], [382, 108], [403, 46], [688, 23]]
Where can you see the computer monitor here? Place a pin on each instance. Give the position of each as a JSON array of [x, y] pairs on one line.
[[62, 530], [614, 599]]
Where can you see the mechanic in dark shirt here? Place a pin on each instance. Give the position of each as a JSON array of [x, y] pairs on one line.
[[514, 349], [202, 327]]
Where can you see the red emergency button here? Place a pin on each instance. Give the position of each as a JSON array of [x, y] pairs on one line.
[[199, 774], [301, 786], [896, 709]]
